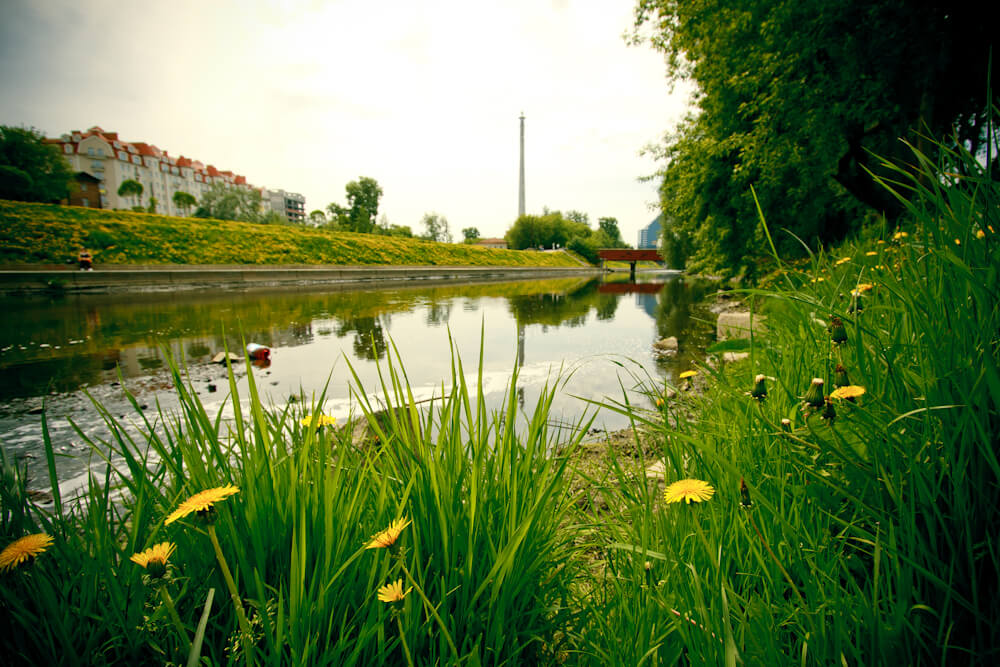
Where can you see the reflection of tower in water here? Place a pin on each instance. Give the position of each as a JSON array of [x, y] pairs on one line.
[[520, 360]]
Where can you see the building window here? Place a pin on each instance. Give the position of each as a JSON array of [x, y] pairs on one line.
[[67, 148], [85, 201]]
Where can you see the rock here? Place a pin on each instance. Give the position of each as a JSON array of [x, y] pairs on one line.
[[667, 345], [656, 469], [220, 358], [737, 324], [730, 357]]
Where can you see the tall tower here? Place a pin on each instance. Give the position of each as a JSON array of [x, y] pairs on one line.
[[520, 191]]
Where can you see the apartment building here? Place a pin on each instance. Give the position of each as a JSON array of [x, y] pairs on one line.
[[289, 204], [111, 161]]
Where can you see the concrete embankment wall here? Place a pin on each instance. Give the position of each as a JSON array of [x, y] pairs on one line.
[[125, 278]]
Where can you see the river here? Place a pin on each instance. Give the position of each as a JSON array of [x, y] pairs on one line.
[[58, 351]]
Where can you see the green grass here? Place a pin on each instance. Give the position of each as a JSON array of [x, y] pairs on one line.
[[869, 539], [48, 233]]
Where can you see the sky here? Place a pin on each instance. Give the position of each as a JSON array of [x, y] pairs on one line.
[[307, 95]]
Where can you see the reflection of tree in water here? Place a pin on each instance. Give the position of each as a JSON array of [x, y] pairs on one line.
[[438, 313], [606, 306], [556, 308], [368, 332], [682, 312]]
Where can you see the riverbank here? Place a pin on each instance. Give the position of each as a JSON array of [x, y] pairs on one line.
[[39, 234], [151, 278]]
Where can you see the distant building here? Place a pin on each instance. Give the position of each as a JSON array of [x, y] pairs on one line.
[[291, 205], [492, 243], [649, 236], [111, 161], [87, 192]]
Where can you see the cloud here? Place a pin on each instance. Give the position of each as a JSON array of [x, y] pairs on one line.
[[308, 95]]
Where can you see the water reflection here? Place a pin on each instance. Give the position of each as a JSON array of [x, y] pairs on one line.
[[59, 344], [51, 347]]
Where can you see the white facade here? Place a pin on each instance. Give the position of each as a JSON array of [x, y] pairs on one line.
[[112, 161]]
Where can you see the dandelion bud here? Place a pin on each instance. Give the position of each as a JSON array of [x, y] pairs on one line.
[[759, 390], [745, 501], [786, 425], [840, 376], [828, 411], [814, 395], [838, 334]]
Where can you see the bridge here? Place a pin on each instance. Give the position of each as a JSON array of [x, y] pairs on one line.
[[630, 256]]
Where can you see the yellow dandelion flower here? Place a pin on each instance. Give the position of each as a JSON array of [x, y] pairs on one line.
[[321, 420], [958, 241], [687, 374], [154, 559], [848, 391], [980, 234], [688, 490], [23, 549], [201, 501], [871, 253], [393, 592], [899, 235], [842, 260], [388, 537]]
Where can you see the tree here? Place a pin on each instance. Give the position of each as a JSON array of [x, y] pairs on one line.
[[130, 188], [31, 170], [153, 201], [437, 228], [803, 99], [470, 234], [361, 211], [224, 202], [184, 200], [317, 217], [610, 227]]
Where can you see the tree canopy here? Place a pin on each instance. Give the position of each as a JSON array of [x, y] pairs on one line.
[[31, 170], [223, 202], [553, 229], [361, 212], [802, 100], [184, 200], [437, 228]]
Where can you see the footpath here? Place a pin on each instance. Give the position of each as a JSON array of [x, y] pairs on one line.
[[125, 277]]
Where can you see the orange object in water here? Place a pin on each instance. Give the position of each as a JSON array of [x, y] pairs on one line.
[[255, 351]]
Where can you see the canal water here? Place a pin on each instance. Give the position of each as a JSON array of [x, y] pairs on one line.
[[60, 352]]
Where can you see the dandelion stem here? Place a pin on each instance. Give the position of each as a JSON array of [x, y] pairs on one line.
[[777, 562], [233, 593], [402, 638], [169, 602], [431, 607]]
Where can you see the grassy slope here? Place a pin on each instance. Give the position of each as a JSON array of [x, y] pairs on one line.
[[45, 233]]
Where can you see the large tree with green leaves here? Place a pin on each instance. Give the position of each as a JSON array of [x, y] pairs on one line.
[[31, 170], [224, 202], [361, 212], [131, 188], [801, 100], [184, 200]]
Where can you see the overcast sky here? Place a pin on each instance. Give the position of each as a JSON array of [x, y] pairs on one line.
[[422, 96]]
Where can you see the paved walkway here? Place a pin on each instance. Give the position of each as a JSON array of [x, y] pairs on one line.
[[114, 278]]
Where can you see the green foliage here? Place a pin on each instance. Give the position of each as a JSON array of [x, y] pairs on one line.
[[45, 233], [485, 564], [184, 200], [794, 98], [224, 202], [470, 234], [867, 538], [31, 170], [130, 188], [361, 212], [437, 228], [610, 228], [153, 201]]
